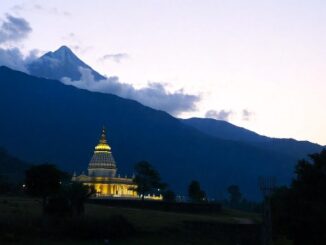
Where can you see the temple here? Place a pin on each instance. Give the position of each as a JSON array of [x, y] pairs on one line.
[[102, 171], [102, 175]]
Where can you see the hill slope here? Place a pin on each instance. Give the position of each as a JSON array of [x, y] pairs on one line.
[[223, 130], [11, 168], [228, 131], [64, 63], [44, 120]]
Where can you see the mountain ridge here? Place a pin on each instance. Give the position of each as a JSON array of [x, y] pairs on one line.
[[239, 133], [61, 124], [225, 130], [58, 64]]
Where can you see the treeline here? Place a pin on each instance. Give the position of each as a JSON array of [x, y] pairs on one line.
[[299, 210]]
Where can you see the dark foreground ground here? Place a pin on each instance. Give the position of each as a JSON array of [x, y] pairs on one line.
[[22, 222]]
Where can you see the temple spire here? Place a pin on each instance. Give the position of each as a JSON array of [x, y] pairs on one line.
[[103, 136], [103, 144]]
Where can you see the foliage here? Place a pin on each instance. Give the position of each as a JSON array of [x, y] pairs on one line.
[[77, 194], [299, 211], [235, 194], [147, 179], [69, 201], [5, 187], [196, 194], [169, 196], [43, 180], [59, 198]]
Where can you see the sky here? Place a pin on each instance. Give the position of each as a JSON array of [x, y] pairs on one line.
[[257, 64]]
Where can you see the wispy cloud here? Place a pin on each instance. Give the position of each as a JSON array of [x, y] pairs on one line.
[[219, 115], [154, 95], [14, 29], [115, 57], [246, 115], [38, 7]]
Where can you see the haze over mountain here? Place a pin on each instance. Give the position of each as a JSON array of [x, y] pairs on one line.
[[47, 121], [61, 63]]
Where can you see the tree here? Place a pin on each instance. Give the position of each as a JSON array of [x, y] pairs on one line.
[[69, 200], [196, 194], [5, 186], [43, 180], [299, 212], [235, 195], [77, 194], [169, 196], [147, 179]]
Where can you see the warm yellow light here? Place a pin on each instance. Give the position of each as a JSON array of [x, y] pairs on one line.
[[102, 147]]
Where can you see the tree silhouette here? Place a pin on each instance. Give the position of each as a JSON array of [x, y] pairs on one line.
[[235, 195], [299, 212], [147, 179], [77, 194], [196, 194], [43, 181], [169, 196]]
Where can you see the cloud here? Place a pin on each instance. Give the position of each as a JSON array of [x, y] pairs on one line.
[[154, 95], [14, 59], [14, 29], [56, 11], [246, 115], [115, 57], [219, 115], [17, 8], [38, 7]]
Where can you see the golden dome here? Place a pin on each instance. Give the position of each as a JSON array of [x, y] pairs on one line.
[[103, 145]]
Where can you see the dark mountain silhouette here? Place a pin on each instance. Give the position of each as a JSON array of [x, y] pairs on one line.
[[61, 63], [224, 130], [12, 169], [64, 63], [45, 121]]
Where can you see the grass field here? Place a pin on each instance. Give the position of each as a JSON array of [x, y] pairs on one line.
[[153, 227]]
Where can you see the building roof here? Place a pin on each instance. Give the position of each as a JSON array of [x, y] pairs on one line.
[[102, 157]]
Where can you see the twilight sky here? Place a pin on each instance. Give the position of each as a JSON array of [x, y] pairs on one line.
[[258, 64]]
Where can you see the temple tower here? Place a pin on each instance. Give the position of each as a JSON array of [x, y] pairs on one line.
[[102, 163]]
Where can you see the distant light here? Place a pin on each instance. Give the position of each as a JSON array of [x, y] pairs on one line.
[[24, 185]]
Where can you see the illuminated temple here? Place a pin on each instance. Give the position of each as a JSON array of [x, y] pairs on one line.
[[102, 174]]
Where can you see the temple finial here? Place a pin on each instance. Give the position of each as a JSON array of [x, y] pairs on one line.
[[103, 136], [103, 145]]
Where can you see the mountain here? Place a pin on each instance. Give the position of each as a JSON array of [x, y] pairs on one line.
[[11, 168], [61, 63], [64, 63], [47, 121], [224, 130]]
